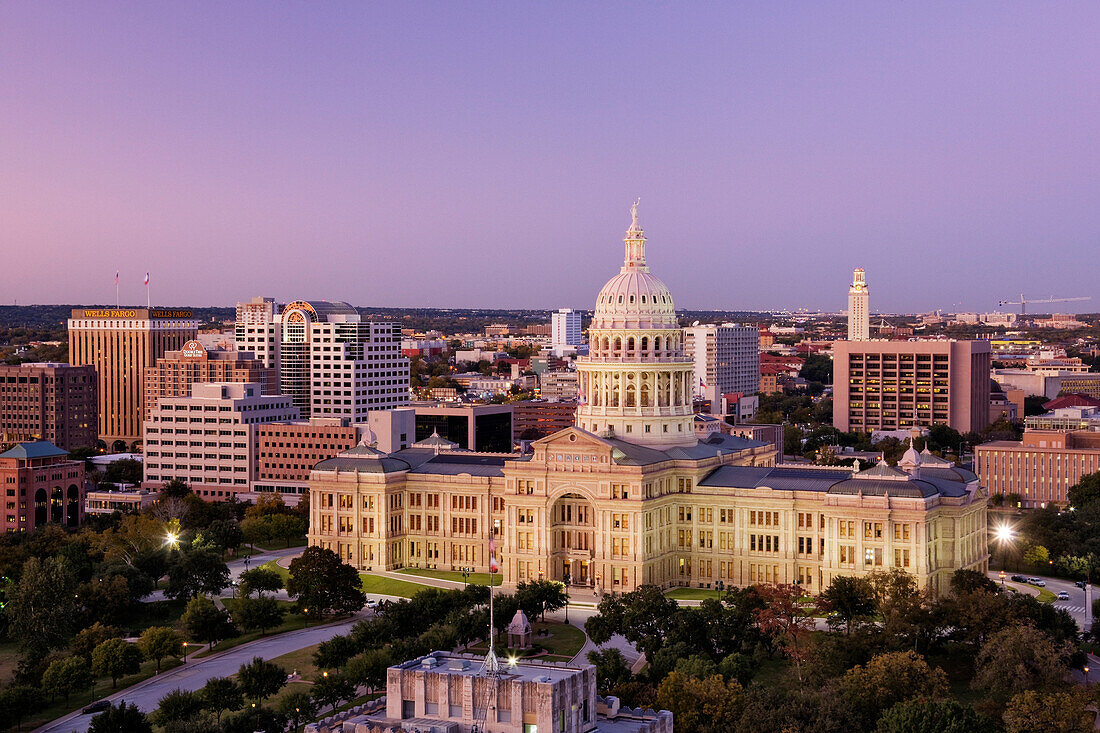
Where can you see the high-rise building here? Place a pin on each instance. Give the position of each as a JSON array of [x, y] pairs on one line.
[[898, 385], [41, 485], [565, 328], [176, 371], [120, 343], [48, 401], [330, 361], [859, 308], [208, 439], [727, 359]]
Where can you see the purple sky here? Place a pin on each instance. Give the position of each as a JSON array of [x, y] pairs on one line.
[[486, 154]]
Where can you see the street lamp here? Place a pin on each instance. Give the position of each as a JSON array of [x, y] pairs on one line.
[[171, 539], [465, 576], [1004, 535], [1086, 668]]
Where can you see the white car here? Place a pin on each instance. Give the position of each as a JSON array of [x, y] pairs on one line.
[[1063, 596], [1037, 581], [371, 604]]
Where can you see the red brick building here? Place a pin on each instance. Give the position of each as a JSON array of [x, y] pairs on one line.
[[48, 401], [176, 371], [544, 417], [41, 485]]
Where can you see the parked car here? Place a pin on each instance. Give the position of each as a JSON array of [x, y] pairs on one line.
[[1037, 581], [371, 604], [97, 707], [1063, 596], [1081, 584], [1018, 579]]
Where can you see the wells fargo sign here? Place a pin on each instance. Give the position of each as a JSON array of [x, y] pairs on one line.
[[162, 313], [109, 313]]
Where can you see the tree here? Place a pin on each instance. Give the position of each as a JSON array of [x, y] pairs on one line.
[[158, 642], [369, 668], [934, 716], [224, 533], [194, 572], [204, 621], [88, 639], [297, 707], [19, 701], [286, 527], [174, 488], [537, 597], [65, 676], [868, 690], [1064, 711], [786, 620], [260, 679], [850, 599], [971, 581], [115, 658], [1036, 556], [260, 580], [41, 607], [257, 613], [220, 694], [332, 689], [904, 608], [122, 719], [1084, 491], [700, 705], [323, 583], [1020, 658], [642, 616], [177, 705], [611, 669]]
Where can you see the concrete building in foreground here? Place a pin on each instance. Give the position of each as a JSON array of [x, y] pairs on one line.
[[120, 343], [899, 385], [208, 440], [632, 495], [451, 693], [48, 401]]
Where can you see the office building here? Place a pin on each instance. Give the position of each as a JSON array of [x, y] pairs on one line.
[[558, 386], [898, 385], [120, 344], [476, 427], [331, 362], [565, 329], [208, 440], [49, 401], [42, 485], [859, 308], [126, 501], [534, 419], [625, 497], [1066, 418], [451, 692], [1049, 384], [176, 371], [1041, 467], [726, 357]]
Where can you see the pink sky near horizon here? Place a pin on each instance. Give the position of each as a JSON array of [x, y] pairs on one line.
[[486, 154]]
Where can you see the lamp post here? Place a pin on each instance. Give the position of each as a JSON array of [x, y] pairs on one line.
[[1086, 670], [185, 652], [465, 576], [1004, 536]]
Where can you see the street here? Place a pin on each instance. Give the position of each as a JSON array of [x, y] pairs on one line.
[[1075, 605]]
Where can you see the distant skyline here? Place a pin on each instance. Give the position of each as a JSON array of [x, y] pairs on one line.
[[486, 154]]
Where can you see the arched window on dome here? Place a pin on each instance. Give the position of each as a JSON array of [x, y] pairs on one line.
[[630, 400], [614, 397], [630, 346], [645, 392], [620, 300], [645, 346], [618, 347], [632, 300], [604, 346], [643, 299], [657, 345]]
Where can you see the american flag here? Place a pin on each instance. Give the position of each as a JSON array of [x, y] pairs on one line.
[[146, 278], [494, 567]]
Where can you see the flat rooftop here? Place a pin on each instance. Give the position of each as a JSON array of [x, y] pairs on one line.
[[469, 665]]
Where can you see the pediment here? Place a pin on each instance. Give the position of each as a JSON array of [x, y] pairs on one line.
[[571, 437]]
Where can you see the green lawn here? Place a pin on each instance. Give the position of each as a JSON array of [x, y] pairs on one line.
[[562, 645], [454, 575], [1045, 596], [693, 594]]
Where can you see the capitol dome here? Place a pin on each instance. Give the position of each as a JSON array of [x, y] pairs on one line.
[[634, 298]]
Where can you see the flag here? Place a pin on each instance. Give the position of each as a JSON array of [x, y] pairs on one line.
[[116, 277], [146, 278], [580, 397], [494, 567]]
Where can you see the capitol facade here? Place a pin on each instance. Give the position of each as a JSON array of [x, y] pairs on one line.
[[636, 494]]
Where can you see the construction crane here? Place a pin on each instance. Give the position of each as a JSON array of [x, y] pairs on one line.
[[1022, 302]]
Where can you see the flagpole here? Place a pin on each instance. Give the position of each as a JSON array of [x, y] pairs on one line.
[[148, 301], [116, 290]]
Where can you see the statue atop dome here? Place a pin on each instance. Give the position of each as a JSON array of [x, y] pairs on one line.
[[634, 213]]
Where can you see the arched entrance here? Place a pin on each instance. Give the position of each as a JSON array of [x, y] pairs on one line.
[[57, 504], [41, 510], [573, 539], [72, 506]]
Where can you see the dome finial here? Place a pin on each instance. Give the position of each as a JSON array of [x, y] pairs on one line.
[[634, 213]]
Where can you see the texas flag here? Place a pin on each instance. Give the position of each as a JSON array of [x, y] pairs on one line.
[[494, 566], [116, 277]]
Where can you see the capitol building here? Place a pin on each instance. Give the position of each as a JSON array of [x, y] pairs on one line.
[[635, 494]]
